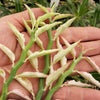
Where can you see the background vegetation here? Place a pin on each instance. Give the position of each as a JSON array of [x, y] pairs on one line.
[[88, 11]]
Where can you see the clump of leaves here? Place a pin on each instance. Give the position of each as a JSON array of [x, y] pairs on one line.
[[48, 75], [86, 11]]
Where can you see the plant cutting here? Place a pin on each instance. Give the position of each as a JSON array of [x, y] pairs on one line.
[[49, 75]]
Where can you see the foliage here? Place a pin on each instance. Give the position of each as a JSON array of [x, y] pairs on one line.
[[14, 6], [81, 14], [26, 54], [87, 12]]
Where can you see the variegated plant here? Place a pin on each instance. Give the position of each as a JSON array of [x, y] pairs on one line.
[[38, 27]]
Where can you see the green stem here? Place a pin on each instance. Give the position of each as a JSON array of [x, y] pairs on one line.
[[46, 69], [62, 78], [16, 67]]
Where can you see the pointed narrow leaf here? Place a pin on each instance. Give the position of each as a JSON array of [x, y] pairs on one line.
[[27, 27], [59, 56], [41, 53], [20, 36], [51, 67], [18, 93], [78, 84], [61, 16], [2, 74], [32, 74], [95, 66], [26, 84], [62, 27], [32, 16], [53, 7], [42, 7], [8, 52], [44, 17], [29, 21], [39, 42], [63, 59], [59, 46], [45, 28], [56, 3], [42, 23], [33, 61], [64, 52], [73, 52], [54, 75], [90, 78]]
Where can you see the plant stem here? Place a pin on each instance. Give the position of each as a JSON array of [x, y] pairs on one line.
[[46, 69], [16, 67], [62, 78]]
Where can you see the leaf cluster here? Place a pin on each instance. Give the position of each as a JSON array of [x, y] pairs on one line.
[[27, 54], [87, 13], [49, 74]]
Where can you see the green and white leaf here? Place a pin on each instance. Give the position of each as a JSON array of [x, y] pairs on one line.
[[45, 28], [44, 17], [8, 52], [73, 52], [62, 27], [59, 46], [33, 61], [90, 78], [32, 16], [42, 23], [29, 21], [53, 7], [95, 66], [19, 93], [54, 75], [64, 52], [63, 60], [51, 67], [42, 7], [61, 16], [41, 53], [32, 74], [51, 71], [78, 84], [27, 27], [39, 42], [56, 3], [20, 36], [26, 84], [2, 74]]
